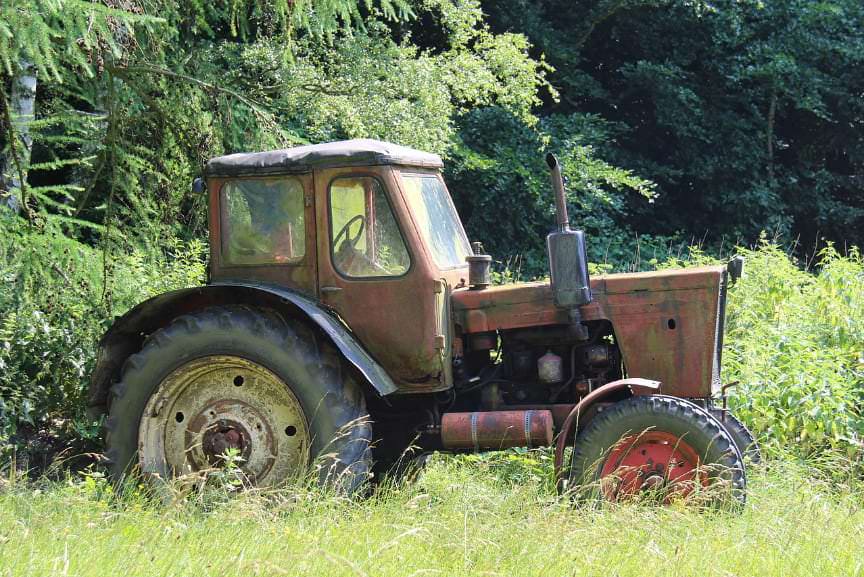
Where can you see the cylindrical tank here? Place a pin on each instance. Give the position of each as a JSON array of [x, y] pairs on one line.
[[489, 430], [550, 368], [479, 268]]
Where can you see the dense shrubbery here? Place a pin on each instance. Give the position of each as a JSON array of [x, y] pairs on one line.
[[795, 346], [57, 297], [795, 342]]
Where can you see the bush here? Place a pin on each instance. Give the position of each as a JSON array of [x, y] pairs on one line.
[[57, 298], [795, 342]]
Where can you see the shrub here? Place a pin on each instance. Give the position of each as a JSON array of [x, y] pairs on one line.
[[57, 298], [795, 342]]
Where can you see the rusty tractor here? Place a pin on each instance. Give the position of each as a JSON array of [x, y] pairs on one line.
[[347, 317]]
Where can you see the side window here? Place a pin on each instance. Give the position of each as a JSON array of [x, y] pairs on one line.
[[263, 221], [364, 236]]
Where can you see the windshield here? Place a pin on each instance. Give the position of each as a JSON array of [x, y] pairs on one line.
[[434, 213]]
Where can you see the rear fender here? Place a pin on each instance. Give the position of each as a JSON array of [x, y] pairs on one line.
[[126, 336]]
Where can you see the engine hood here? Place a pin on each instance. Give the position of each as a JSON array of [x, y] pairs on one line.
[[530, 304]]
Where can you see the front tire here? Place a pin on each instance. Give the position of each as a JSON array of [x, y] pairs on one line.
[[744, 439], [240, 379], [658, 445]]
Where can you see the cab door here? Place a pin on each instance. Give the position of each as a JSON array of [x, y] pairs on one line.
[[373, 273]]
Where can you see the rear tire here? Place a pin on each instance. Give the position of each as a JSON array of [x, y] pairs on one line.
[[184, 364], [661, 445]]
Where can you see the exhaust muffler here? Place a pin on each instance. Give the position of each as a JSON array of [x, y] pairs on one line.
[[568, 258]]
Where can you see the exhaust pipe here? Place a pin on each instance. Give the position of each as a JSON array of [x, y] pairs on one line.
[[560, 196], [568, 258]]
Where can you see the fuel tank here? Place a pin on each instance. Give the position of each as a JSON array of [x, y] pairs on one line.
[[667, 324]]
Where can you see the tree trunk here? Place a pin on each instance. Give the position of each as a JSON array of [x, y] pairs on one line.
[[19, 114], [772, 112]]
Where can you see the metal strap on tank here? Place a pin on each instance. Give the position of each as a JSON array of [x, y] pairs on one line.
[[528, 428], [474, 432]]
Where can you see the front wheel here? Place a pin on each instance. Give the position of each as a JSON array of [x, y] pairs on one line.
[[243, 384], [744, 439], [657, 446]]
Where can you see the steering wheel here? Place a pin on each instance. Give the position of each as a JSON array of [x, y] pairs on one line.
[[352, 241]]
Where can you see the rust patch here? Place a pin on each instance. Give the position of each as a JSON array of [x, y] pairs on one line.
[[496, 429]]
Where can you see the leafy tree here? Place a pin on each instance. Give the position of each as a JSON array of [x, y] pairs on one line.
[[747, 114], [115, 62], [505, 197], [50, 39]]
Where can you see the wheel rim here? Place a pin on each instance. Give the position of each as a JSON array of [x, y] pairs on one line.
[[219, 403], [651, 462]]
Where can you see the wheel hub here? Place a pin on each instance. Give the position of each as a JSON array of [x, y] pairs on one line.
[[649, 462], [223, 437], [216, 405]]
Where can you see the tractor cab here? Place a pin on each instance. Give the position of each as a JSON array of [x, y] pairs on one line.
[[365, 227]]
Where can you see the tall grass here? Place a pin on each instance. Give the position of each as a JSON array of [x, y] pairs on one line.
[[460, 517]]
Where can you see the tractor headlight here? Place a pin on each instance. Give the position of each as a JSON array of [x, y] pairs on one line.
[[735, 268]]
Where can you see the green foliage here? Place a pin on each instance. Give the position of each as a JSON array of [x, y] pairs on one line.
[[502, 189], [124, 139], [251, 21], [63, 36], [795, 342], [746, 113], [795, 346], [55, 304]]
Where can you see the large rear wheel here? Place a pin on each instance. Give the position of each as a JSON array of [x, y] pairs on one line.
[[241, 383], [657, 446]]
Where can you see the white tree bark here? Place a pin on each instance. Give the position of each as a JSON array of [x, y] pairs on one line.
[[22, 105]]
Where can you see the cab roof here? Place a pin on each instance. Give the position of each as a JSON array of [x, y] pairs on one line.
[[358, 152]]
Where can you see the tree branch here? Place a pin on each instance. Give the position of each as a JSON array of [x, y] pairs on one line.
[[121, 72]]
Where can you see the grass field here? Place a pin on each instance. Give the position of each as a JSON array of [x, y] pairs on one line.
[[459, 517]]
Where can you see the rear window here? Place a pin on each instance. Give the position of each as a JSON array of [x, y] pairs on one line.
[[263, 221]]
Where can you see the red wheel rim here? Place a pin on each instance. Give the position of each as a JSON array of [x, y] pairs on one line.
[[651, 461]]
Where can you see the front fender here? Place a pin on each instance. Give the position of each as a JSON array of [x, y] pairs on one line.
[[126, 336], [567, 433]]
